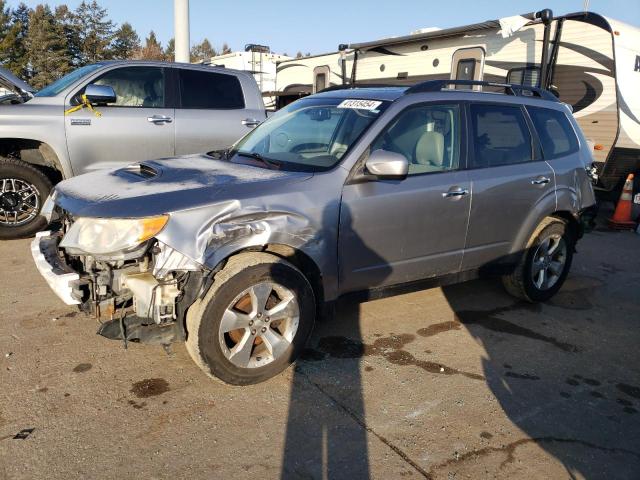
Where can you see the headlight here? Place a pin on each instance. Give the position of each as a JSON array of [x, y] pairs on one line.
[[100, 236]]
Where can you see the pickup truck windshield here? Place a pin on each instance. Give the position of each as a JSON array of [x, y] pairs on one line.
[[62, 83], [311, 134]]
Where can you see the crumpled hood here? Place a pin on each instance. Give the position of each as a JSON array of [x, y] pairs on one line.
[[167, 185]]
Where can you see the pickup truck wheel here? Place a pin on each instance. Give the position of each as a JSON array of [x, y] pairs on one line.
[[254, 321], [23, 190], [545, 263]]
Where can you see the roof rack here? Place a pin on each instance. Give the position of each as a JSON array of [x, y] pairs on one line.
[[509, 88]]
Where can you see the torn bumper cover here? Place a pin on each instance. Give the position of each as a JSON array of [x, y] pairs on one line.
[[60, 277]]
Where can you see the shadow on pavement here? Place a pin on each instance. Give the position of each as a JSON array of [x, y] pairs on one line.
[[559, 375]]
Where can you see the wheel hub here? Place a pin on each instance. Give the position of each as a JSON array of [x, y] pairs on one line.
[[19, 202], [259, 325]]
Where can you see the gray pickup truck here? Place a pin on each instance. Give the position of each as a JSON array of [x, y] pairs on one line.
[[111, 114]]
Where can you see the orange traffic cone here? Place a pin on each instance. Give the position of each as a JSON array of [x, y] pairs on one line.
[[621, 219]]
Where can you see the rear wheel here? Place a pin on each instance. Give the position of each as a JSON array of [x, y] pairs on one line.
[[23, 190], [545, 263], [254, 321]]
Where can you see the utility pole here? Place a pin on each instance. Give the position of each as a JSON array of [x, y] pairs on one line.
[[181, 29]]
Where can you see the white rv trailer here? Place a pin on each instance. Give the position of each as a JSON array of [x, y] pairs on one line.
[[591, 62], [260, 61]]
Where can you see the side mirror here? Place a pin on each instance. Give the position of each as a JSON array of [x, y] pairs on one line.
[[100, 93], [387, 165]]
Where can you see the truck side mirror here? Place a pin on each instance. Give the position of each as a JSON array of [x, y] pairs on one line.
[[100, 94], [387, 165]]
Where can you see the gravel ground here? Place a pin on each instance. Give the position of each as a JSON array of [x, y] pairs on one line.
[[454, 382]]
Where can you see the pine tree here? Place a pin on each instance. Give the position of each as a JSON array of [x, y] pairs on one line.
[[202, 51], [125, 42], [12, 42], [65, 20], [152, 49], [46, 48], [94, 30], [225, 48], [299, 54], [170, 51]]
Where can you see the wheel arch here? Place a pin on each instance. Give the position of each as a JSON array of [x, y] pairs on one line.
[[34, 152], [298, 258]]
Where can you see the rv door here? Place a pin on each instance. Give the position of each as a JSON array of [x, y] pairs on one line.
[[467, 64], [321, 79]]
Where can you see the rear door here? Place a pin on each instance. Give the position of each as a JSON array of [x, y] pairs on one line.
[[139, 126], [211, 113], [510, 181], [396, 231], [561, 150]]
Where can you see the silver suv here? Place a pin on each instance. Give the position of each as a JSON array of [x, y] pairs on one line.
[[139, 110], [349, 190]]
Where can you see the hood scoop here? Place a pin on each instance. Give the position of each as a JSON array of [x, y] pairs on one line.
[[137, 171]]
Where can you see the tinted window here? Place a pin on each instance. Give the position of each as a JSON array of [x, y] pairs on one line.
[[428, 136], [466, 70], [528, 76], [500, 136], [210, 90], [556, 134], [321, 79], [136, 86]]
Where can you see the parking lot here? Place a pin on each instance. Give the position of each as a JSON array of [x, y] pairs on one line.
[[453, 382]]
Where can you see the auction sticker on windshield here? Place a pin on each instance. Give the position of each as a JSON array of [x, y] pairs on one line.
[[360, 104]]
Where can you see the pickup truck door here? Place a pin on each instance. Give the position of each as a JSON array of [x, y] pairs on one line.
[[212, 113], [139, 126]]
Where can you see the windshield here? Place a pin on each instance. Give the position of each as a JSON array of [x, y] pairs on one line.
[[61, 84], [312, 134]]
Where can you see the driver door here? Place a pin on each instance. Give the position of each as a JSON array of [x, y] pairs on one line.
[[138, 126], [397, 231]]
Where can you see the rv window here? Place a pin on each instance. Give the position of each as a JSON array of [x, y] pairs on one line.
[[528, 76], [210, 90], [500, 136], [466, 71], [321, 82], [556, 134]]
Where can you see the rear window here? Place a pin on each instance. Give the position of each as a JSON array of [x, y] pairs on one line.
[[555, 132], [500, 136], [210, 90]]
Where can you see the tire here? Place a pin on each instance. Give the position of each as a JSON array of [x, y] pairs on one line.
[[524, 282], [217, 349], [38, 187]]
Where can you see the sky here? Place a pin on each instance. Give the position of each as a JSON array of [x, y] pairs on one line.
[[289, 26]]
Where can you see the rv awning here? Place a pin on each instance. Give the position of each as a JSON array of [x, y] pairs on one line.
[[447, 32]]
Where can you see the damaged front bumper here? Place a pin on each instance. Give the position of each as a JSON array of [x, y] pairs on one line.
[[62, 279], [145, 299]]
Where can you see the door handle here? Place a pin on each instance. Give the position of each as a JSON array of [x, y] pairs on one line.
[[455, 192], [159, 119], [251, 122], [540, 180]]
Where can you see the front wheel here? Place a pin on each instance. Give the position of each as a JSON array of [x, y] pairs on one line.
[[544, 265], [254, 321], [23, 190]]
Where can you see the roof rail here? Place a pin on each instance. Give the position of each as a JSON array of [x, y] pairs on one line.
[[349, 86], [509, 88]]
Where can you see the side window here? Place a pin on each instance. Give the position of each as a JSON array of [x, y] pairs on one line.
[[210, 90], [321, 76], [427, 135], [556, 133], [136, 86], [466, 69], [528, 76], [500, 136]]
